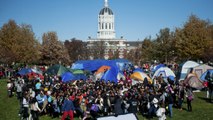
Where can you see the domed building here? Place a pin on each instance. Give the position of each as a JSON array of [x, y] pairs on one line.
[[106, 35]]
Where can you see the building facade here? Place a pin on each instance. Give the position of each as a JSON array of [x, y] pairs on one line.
[[106, 35]]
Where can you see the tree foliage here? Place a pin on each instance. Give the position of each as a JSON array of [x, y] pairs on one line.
[[76, 49], [53, 51], [18, 43], [193, 39]]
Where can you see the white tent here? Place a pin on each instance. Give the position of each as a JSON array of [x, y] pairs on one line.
[[199, 70], [165, 71], [186, 67]]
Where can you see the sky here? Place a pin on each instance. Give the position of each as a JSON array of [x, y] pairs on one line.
[[134, 19]]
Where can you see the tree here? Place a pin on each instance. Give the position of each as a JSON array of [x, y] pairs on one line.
[[147, 50], [207, 55], [76, 49], [164, 45], [18, 43], [53, 51], [193, 39], [97, 49]]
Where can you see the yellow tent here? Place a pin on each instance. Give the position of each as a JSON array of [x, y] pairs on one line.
[[140, 76]]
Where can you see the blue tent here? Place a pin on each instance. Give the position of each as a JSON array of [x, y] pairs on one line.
[[202, 77], [25, 71], [93, 65], [138, 70], [157, 67], [110, 75], [80, 77], [67, 76]]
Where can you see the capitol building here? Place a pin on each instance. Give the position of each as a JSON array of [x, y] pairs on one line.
[[106, 35]]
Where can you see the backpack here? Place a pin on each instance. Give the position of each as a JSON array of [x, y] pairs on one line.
[[94, 107]]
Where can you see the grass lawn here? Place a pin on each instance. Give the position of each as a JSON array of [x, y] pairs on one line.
[[202, 110]]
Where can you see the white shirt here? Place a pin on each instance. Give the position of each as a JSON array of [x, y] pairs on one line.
[[25, 102]]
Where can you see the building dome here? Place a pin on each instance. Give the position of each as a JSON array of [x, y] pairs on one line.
[[106, 10]]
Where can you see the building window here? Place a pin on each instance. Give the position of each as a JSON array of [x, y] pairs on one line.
[[109, 25], [102, 25], [105, 25]]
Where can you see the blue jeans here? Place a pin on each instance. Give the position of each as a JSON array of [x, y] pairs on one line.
[[170, 110]]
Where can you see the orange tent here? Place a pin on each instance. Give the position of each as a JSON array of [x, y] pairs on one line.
[[102, 69]]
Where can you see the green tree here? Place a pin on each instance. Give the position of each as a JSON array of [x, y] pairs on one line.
[[147, 49], [164, 45]]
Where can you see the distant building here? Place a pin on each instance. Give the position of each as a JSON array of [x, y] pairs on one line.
[[107, 37]]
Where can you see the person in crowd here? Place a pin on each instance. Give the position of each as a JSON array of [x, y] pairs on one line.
[[189, 98], [209, 78], [117, 106], [169, 100], [106, 104], [133, 104], [9, 88], [34, 109], [181, 94], [25, 105], [68, 108], [56, 106]]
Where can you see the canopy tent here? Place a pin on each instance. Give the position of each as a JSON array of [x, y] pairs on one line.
[[202, 77], [80, 76], [78, 72], [193, 81], [199, 70], [93, 65], [102, 69], [166, 72], [185, 67], [57, 70], [67, 76], [140, 76], [122, 63]]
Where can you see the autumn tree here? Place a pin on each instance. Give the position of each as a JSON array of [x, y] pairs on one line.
[[53, 51], [193, 39], [208, 54], [77, 49], [18, 43]]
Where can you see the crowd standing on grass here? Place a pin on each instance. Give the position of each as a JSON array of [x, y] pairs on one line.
[[89, 99]]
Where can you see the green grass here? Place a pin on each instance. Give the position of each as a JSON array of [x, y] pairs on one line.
[[202, 110]]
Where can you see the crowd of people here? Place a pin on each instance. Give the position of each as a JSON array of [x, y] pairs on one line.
[[89, 99]]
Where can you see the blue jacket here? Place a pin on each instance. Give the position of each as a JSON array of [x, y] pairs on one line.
[[68, 105]]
